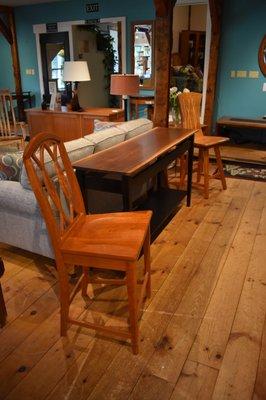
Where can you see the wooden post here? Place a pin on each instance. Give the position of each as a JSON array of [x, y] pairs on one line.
[[9, 33], [163, 48], [216, 13]]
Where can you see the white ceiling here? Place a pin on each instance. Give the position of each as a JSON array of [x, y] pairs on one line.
[[15, 3]]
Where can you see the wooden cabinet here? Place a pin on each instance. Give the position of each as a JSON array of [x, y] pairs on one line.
[[69, 125], [192, 48]]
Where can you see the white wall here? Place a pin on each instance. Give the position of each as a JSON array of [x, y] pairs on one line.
[[180, 21]]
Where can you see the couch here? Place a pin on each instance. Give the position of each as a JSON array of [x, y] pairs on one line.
[[21, 222]]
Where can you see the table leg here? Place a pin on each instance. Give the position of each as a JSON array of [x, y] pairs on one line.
[[3, 312], [190, 168], [126, 192], [81, 177]]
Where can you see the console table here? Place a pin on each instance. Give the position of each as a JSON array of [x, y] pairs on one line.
[[69, 125], [128, 165], [256, 123], [3, 313]]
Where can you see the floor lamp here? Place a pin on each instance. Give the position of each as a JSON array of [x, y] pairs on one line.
[[76, 71], [125, 85]]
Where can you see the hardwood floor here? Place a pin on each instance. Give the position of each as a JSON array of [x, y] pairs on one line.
[[203, 332], [247, 153]]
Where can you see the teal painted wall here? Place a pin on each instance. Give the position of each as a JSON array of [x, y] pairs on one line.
[[243, 27], [70, 10]]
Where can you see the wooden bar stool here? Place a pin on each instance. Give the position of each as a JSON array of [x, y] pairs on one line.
[[190, 117], [3, 312], [112, 241]]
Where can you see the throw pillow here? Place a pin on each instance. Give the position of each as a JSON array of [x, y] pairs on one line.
[[102, 125], [10, 166]]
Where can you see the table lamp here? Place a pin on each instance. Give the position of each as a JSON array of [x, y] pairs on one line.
[[76, 71], [125, 85]]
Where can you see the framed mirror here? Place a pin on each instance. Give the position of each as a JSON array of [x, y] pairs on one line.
[[262, 55], [142, 52]]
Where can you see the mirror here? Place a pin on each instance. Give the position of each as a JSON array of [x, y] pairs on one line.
[[262, 56], [142, 49]]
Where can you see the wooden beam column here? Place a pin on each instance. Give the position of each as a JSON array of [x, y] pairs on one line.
[[9, 33], [163, 49], [216, 14]]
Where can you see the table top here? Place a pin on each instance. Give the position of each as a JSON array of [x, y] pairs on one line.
[[131, 156], [259, 123], [91, 111]]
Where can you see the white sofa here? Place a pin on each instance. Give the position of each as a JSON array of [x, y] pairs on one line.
[[21, 223]]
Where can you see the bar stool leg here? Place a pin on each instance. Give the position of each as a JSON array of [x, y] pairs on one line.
[[199, 169], [131, 278], [3, 312], [206, 172], [147, 263], [220, 166]]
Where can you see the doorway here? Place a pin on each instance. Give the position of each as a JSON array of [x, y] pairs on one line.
[[99, 44], [191, 47]]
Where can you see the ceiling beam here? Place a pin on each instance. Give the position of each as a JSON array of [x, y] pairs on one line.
[[9, 32]]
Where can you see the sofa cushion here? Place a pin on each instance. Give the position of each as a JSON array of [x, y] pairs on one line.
[[14, 197], [136, 127], [107, 138], [76, 149], [10, 165]]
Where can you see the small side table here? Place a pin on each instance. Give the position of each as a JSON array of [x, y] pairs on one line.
[[3, 313]]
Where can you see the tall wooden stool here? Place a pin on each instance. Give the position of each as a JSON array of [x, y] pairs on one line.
[[190, 117], [3, 312]]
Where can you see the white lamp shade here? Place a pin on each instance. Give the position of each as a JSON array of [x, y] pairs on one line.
[[127, 84], [76, 71]]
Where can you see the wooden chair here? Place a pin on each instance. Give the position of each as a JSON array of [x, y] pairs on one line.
[[10, 129], [190, 117], [112, 241]]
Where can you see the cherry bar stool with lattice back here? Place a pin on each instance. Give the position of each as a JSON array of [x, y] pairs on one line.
[[112, 241], [190, 116], [10, 129]]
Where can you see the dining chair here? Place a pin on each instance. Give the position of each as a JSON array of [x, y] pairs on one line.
[[113, 241], [10, 129], [190, 118]]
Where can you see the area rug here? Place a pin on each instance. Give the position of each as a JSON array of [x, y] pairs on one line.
[[245, 171]]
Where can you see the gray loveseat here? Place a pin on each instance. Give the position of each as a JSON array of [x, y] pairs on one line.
[[21, 223]]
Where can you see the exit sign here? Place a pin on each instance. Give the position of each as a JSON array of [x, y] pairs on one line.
[[92, 7]]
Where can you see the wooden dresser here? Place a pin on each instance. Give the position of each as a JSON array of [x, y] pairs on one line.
[[69, 125]]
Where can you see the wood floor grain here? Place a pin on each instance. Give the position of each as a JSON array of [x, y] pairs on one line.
[[203, 332]]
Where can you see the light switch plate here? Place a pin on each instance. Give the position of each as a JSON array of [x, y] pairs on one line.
[[233, 74], [253, 74], [241, 74], [264, 87]]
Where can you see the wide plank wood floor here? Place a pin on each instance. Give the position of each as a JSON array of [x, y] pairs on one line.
[[203, 332]]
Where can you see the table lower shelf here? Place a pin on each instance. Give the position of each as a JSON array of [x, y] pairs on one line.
[[164, 204]]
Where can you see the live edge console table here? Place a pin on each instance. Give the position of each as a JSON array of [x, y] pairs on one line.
[[69, 125], [124, 168]]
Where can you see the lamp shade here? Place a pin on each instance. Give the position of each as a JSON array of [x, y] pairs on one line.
[[76, 71], [127, 84]]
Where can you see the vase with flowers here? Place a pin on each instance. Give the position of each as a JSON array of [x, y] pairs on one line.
[[174, 104]]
